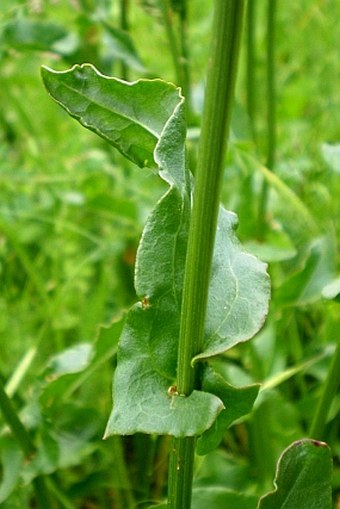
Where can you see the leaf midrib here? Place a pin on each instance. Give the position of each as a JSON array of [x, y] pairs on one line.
[[126, 117]]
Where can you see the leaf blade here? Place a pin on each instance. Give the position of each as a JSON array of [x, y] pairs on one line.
[[303, 478], [238, 295], [130, 116]]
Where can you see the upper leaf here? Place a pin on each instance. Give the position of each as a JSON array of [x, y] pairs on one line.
[[130, 116], [303, 478]]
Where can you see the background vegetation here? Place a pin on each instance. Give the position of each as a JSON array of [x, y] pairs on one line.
[[71, 213]]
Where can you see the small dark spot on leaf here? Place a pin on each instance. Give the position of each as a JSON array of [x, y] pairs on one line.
[[145, 302], [317, 443]]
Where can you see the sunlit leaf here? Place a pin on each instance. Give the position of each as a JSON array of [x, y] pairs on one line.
[[130, 116]]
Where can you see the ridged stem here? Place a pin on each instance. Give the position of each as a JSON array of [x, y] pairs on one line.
[[124, 25], [251, 64], [167, 15], [222, 67], [328, 393], [271, 112]]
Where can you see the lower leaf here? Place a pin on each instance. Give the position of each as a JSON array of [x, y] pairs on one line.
[[238, 401], [142, 399], [303, 478]]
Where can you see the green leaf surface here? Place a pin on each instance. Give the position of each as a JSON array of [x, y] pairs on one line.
[[331, 154], [332, 290], [217, 498], [46, 459], [238, 401], [141, 399], [303, 478], [145, 121], [130, 116], [72, 360], [307, 285], [38, 35], [121, 46], [11, 465], [276, 247], [221, 498], [159, 276], [239, 292]]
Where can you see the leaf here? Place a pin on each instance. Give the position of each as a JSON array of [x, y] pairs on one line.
[[217, 498], [221, 498], [145, 121], [130, 116], [238, 401], [331, 154], [70, 369], [303, 478], [72, 360], [121, 47], [38, 35], [159, 275], [276, 246], [239, 292], [11, 464], [141, 399], [303, 214], [332, 290], [46, 460], [306, 286]]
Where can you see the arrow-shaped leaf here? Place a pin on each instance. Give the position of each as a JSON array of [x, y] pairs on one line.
[[130, 116]]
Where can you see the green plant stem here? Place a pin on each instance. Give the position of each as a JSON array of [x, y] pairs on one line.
[[58, 495], [329, 391], [167, 15], [26, 445], [181, 471], [271, 112], [15, 424], [184, 58], [251, 64], [124, 25], [121, 474], [227, 27]]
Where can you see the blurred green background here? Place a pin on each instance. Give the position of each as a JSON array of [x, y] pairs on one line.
[[72, 211]]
